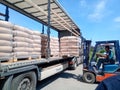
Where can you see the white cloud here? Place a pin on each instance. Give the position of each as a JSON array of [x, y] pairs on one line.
[[83, 3], [117, 19], [98, 12]]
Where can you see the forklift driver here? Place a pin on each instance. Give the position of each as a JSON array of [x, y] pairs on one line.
[[105, 58]]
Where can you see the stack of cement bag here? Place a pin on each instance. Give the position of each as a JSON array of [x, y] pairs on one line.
[[70, 46], [54, 46], [44, 45], [22, 41], [17, 42], [6, 44], [36, 44]]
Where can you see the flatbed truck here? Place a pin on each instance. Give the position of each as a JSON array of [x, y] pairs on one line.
[[24, 74]]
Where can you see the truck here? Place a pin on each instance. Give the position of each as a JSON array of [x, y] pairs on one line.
[[23, 72]]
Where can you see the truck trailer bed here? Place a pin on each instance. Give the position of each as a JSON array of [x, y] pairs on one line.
[[8, 68]]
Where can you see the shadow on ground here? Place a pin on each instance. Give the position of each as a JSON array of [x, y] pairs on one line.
[[66, 75]]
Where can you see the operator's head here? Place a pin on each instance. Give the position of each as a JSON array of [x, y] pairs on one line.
[[107, 48]]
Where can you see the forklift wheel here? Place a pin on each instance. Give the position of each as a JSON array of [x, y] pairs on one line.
[[89, 77]]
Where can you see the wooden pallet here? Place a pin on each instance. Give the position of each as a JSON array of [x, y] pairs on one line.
[[21, 58], [54, 55], [25, 58], [35, 57], [8, 59], [16, 59]]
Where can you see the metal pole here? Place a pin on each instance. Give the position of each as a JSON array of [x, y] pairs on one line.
[[48, 31], [7, 13], [42, 28], [59, 42], [71, 30]]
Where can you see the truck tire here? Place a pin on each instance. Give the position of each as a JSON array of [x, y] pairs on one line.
[[89, 77], [74, 66], [7, 84], [25, 81]]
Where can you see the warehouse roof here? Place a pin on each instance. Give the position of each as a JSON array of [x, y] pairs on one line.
[[37, 10]]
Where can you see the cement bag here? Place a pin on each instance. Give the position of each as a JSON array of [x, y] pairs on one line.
[[43, 36], [55, 50], [6, 24], [37, 41], [21, 34], [5, 56], [64, 50], [64, 38], [5, 30], [72, 37], [74, 40], [22, 39], [21, 49], [36, 45], [36, 36], [63, 44], [36, 53], [64, 41], [74, 47], [20, 44], [29, 40], [53, 39], [17, 27], [6, 43], [28, 31], [36, 33], [6, 49], [19, 39], [8, 37], [23, 29], [30, 49], [73, 44], [44, 43], [24, 54], [64, 47], [37, 49]]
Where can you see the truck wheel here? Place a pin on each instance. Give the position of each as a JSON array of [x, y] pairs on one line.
[[25, 81], [7, 83], [74, 66], [89, 77]]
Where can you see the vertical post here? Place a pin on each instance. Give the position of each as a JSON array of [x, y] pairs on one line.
[[71, 30], [48, 31], [42, 28], [7, 13], [59, 43]]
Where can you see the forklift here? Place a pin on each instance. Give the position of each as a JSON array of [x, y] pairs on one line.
[[90, 72]]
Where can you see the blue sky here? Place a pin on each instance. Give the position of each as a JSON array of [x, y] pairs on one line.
[[97, 19]]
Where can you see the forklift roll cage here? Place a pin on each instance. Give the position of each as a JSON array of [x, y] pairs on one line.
[[115, 44]]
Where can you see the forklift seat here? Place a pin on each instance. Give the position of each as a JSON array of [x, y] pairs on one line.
[[112, 61], [110, 68]]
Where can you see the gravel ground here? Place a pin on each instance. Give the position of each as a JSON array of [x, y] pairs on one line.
[[67, 80]]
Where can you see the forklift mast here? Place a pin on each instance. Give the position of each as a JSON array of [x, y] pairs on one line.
[[86, 50]]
